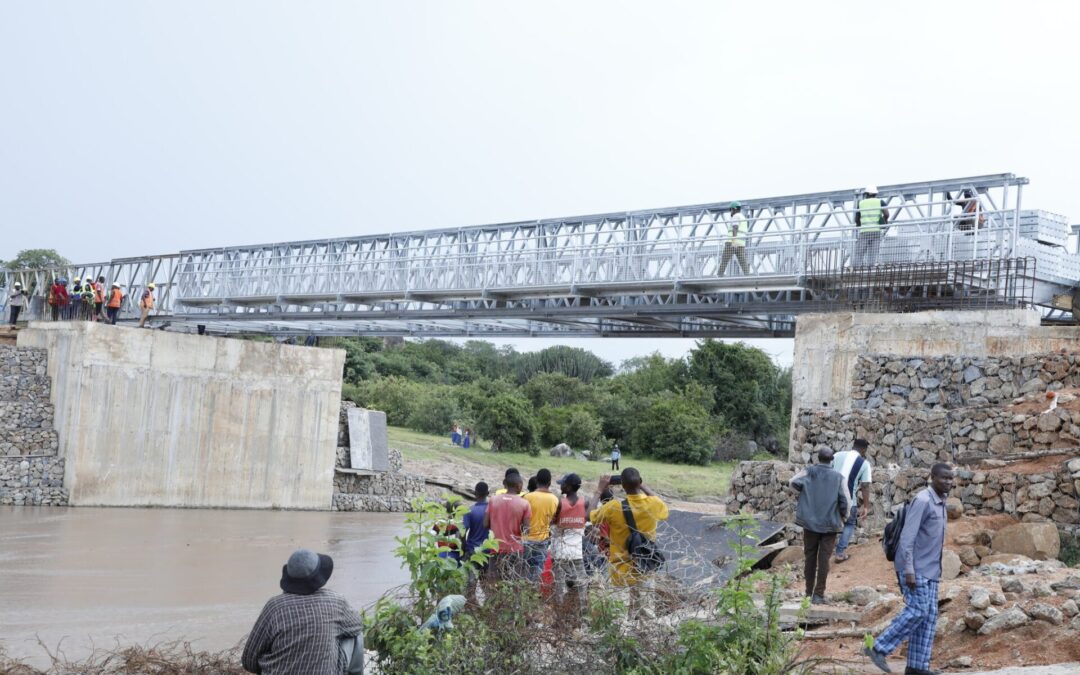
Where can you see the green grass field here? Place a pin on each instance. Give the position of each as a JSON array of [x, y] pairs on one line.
[[676, 480]]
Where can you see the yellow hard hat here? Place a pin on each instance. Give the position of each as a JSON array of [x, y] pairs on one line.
[[151, 286], [76, 278]]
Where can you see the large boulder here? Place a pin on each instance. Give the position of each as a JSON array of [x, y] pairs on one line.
[[1038, 541], [1007, 620], [950, 565], [954, 507], [792, 555], [562, 450]]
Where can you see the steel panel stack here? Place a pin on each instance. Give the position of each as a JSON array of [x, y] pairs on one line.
[[1044, 227]]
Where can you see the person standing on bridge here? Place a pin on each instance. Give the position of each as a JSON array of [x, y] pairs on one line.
[[735, 244], [870, 216], [99, 299], [116, 298], [16, 301], [146, 303], [822, 509]]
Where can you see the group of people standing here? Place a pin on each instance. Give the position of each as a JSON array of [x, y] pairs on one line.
[[460, 437], [573, 535], [829, 511], [82, 300]]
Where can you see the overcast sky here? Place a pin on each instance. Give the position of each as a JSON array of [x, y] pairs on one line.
[[131, 128]]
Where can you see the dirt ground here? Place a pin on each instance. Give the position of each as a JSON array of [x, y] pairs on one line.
[[1037, 643]]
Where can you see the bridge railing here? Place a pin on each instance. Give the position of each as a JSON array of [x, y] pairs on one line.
[[538, 264]]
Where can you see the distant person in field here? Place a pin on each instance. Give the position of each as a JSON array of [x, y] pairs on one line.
[[616, 455], [298, 631], [466, 440], [918, 571], [821, 511]]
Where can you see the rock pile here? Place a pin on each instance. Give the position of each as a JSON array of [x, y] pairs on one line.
[[30, 471]]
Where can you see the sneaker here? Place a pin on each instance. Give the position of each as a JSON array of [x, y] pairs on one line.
[[878, 658], [818, 600]]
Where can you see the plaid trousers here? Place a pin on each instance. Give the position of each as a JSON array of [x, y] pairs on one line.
[[917, 623]]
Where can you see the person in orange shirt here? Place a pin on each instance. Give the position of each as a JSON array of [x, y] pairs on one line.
[[146, 303], [116, 298], [545, 509], [99, 299]]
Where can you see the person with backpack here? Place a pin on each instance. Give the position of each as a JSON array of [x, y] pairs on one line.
[[918, 571], [821, 511], [632, 526], [855, 468]]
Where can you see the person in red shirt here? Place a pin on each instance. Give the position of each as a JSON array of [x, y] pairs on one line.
[[508, 517], [58, 298], [449, 533]]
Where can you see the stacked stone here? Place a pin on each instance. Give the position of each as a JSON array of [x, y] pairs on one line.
[[30, 471], [392, 490], [896, 435], [1048, 496], [950, 382]]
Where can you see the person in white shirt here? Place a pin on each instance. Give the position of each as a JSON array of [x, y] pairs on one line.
[[856, 470]]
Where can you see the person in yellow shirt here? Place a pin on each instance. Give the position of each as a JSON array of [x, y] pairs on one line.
[[648, 510], [545, 508]]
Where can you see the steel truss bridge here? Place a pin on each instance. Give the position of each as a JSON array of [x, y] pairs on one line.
[[652, 273]]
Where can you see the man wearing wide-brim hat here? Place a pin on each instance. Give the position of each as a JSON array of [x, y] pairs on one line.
[[297, 632]]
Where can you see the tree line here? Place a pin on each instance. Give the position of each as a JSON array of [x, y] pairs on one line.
[[686, 410]]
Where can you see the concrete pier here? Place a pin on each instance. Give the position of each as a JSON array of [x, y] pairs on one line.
[[152, 418]]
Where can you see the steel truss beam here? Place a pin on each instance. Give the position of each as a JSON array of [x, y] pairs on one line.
[[639, 273]]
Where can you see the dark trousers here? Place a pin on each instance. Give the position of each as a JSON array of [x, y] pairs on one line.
[[113, 313], [15, 309], [817, 547], [614, 464]]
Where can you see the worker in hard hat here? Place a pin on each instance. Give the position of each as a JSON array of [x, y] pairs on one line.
[[74, 309], [870, 218], [112, 307], [735, 243], [16, 301], [146, 303]]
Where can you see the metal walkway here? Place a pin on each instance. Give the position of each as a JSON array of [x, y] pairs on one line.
[[635, 274]]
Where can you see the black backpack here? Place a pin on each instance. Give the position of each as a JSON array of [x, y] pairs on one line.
[[890, 539], [644, 553]]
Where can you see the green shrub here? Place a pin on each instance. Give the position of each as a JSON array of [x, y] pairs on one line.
[[506, 421], [675, 429], [574, 425]]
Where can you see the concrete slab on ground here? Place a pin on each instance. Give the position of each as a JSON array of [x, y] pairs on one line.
[[700, 548]]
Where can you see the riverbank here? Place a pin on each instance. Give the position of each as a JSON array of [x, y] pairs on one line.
[[436, 458]]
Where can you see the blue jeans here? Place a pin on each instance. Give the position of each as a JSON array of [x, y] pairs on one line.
[[535, 555], [849, 529]]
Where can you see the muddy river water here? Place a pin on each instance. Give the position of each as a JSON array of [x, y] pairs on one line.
[[89, 576]]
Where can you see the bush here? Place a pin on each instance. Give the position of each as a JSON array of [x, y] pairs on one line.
[[434, 410], [677, 430], [506, 421], [734, 446], [574, 425]]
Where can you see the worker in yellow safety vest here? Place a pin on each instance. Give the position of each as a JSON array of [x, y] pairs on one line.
[[735, 244], [870, 216]]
